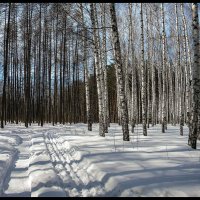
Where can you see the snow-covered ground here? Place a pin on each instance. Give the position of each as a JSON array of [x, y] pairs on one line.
[[67, 160]]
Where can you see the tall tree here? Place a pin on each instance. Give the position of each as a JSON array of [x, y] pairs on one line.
[[164, 119], [97, 70], [143, 76], [120, 75], [84, 38], [5, 67], [195, 111], [133, 70], [187, 63], [104, 67]]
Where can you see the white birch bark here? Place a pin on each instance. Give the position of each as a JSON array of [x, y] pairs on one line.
[[104, 64], [101, 73], [153, 89], [148, 70], [187, 64], [164, 120], [126, 58], [143, 76], [120, 75], [133, 68], [179, 76], [98, 71]]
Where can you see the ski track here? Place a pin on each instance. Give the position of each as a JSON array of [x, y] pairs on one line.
[[41, 151], [46, 164], [19, 174], [76, 180]]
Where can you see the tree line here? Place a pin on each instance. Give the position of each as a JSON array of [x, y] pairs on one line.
[[128, 63]]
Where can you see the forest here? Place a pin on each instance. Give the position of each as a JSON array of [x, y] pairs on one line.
[[129, 64]]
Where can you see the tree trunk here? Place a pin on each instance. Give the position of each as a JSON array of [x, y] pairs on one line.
[[5, 68], [84, 39], [104, 67], [98, 72], [143, 76], [119, 69], [194, 126], [164, 119], [186, 64]]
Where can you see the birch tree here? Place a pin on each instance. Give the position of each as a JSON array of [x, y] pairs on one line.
[[104, 66], [195, 111], [84, 38], [120, 75], [133, 70], [143, 75], [164, 120], [98, 72], [187, 63]]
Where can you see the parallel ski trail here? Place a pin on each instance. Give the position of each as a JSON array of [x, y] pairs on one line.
[[69, 171], [73, 177], [19, 175], [70, 183]]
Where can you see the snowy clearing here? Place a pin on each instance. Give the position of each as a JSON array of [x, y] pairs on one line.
[[67, 160]]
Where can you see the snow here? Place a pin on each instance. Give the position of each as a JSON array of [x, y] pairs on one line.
[[7, 154], [68, 160]]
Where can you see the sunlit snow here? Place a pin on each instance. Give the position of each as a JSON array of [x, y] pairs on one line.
[[68, 160]]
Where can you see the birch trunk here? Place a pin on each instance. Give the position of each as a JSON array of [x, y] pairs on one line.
[[164, 120], [98, 73], [148, 71], [120, 75], [133, 67], [187, 64], [88, 107], [195, 114], [153, 88], [143, 76], [179, 76], [127, 89], [104, 64], [101, 73]]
